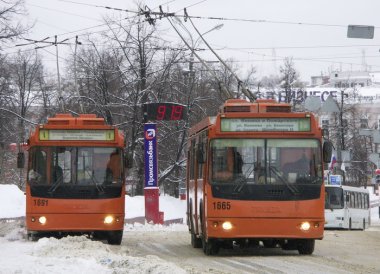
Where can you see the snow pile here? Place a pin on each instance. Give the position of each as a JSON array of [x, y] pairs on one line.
[[82, 251], [12, 201], [75, 255]]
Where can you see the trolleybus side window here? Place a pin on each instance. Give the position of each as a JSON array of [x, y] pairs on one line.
[[202, 148], [37, 170], [192, 159]]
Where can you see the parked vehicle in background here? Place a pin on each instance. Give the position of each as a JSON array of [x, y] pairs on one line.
[[347, 207]]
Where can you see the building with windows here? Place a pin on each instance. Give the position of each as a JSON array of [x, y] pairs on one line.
[[350, 79]]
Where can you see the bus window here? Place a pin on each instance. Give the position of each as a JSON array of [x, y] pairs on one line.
[[334, 198], [285, 161], [61, 165], [113, 170], [191, 163], [222, 165], [37, 166]]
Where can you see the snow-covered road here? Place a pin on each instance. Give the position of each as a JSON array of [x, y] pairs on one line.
[[166, 249], [158, 249]]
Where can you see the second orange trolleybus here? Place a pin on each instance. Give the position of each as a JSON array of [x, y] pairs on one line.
[[255, 176]]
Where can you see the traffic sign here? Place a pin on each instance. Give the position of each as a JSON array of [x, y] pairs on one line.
[[336, 180]]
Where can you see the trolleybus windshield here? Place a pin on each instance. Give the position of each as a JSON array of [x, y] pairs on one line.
[[75, 172], [282, 168]]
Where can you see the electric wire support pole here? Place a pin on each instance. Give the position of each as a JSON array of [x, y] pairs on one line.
[[251, 96], [226, 93]]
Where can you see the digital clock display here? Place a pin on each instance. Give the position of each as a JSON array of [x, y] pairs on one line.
[[164, 111]]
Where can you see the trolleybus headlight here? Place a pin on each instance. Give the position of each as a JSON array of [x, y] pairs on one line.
[[305, 226], [227, 225], [42, 220], [108, 219]]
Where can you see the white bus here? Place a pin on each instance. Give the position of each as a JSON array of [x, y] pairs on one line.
[[347, 207]]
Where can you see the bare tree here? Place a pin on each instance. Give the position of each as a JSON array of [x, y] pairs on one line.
[[134, 66], [26, 72], [10, 25], [289, 76]]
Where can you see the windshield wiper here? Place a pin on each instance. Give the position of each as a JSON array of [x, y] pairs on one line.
[[56, 184], [240, 181], [99, 187], [292, 188]]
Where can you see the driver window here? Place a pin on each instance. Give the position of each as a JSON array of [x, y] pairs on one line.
[[223, 164], [37, 166]]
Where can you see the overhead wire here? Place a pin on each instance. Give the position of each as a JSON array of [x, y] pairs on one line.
[[199, 17], [139, 13], [60, 11]]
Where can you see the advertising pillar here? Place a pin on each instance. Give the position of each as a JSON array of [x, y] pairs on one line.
[[151, 190]]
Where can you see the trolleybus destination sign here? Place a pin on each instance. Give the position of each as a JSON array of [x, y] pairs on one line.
[[77, 134], [265, 124]]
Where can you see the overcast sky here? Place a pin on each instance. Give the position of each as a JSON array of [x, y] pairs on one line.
[[265, 32]]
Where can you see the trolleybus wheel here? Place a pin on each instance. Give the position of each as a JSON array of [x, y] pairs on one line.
[[32, 236], [210, 247], [306, 247], [195, 242], [115, 237]]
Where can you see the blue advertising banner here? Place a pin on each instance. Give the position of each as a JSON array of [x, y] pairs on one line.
[[150, 152]]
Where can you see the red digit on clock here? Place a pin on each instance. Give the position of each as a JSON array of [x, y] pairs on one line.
[[161, 110], [176, 113]]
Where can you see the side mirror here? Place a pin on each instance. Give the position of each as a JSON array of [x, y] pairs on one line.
[[128, 160], [20, 160], [200, 154], [347, 198], [325, 132], [327, 151]]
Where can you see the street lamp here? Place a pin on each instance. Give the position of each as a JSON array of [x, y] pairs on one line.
[[194, 44], [217, 27]]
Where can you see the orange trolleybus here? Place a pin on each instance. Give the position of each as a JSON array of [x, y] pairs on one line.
[[255, 177], [75, 180]]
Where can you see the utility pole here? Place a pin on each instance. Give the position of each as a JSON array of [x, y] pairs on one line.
[[75, 73]]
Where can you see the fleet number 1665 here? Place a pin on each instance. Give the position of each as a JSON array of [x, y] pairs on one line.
[[222, 205]]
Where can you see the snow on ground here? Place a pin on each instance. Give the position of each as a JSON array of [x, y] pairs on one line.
[[12, 201], [12, 204], [73, 255], [79, 254]]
